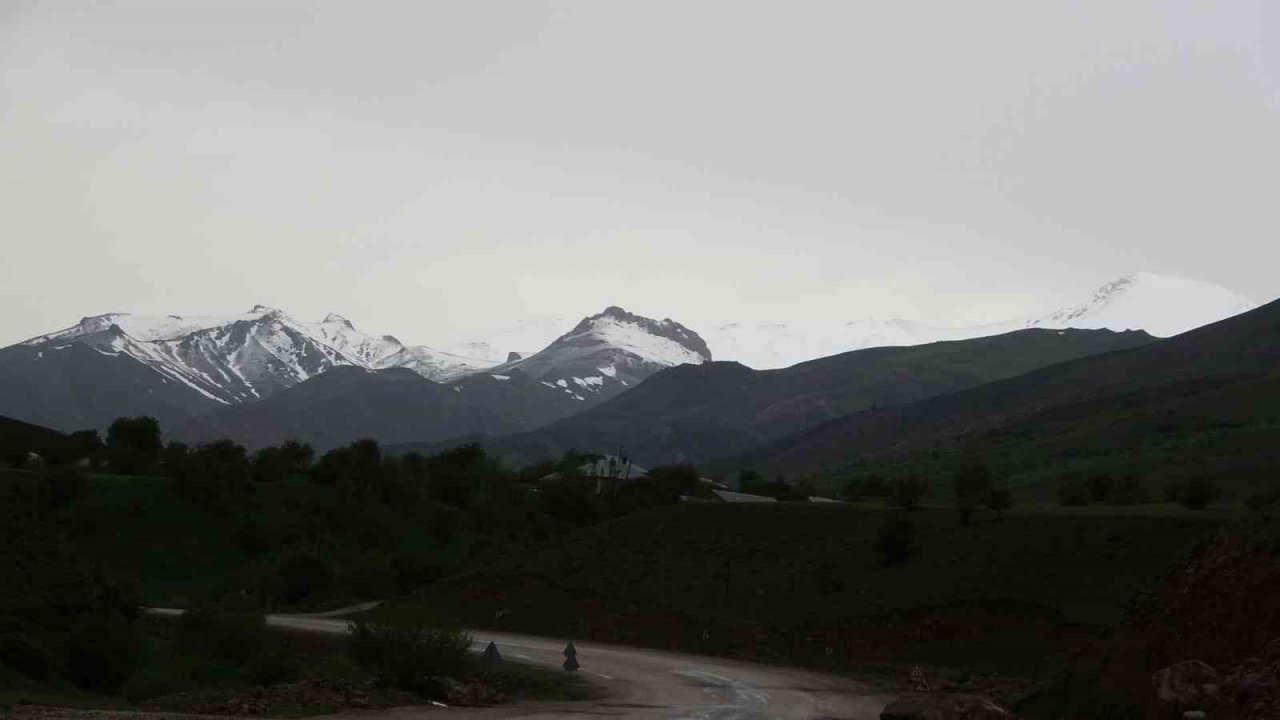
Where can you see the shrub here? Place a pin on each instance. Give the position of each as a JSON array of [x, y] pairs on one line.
[[61, 487], [303, 575], [227, 637], [26, 656], [1073, 494], [972, 483], [1130, 491], [908, 491], [895, 540], [875, 486], [1100, 486], [274, 666], [100, 652], [405, 655], [999, 500], [1263, 502], [1198, 492]]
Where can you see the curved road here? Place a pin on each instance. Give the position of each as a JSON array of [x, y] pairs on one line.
[[647, 683]]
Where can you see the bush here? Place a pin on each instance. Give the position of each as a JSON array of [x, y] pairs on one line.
[[908, 491], [972, 483], [1263, 502], [1130, 491], [272, 667], [895, 540], [405, 655], [61, 487], [227, 637], [26, 656], [1198, 492], [1100, 487], [100, 652], [303, 575], [1073, 494], [999, 500]]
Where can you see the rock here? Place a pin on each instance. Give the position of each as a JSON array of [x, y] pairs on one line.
[[922, 708], [984, 709], [1193, 715], [1271, 652], [1252, 688], [1187, 684]]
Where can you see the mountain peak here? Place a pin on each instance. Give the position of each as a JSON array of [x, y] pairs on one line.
[[336, 318]]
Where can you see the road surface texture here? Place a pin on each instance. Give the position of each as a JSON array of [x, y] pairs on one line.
[[645, 683]]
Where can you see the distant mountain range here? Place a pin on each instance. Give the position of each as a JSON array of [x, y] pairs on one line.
[[263, 376], [1162, 305]]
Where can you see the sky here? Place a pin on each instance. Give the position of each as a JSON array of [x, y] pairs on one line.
[[428, 169]]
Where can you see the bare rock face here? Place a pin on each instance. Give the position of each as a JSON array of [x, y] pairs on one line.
[[1189, 684]]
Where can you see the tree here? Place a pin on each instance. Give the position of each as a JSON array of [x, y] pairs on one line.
[[972, 485], [999, 500], [672, 481], [133, 445], [908, 491], [1101, 486], [1129, 491], [895, 540], [1199, 491], [212, 472], [750, 481], [1073, 493]]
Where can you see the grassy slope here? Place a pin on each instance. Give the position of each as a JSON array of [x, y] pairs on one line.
[[802, 578], [178, 551], [1228, 429], [1242, 349]]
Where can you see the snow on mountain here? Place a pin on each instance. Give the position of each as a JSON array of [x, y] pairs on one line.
[[605, 353], [250, 356], [1159, 304]]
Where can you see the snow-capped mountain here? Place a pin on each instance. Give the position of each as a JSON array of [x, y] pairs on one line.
[[606, 353], [1159, 304], [1162, 305], [248, 357]]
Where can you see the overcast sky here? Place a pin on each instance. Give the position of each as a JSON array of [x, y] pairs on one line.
[[430, 168]]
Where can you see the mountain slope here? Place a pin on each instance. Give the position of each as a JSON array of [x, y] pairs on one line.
[[1161, 305], [87, 383], [699, 412], [395, 405], [1233, 350]]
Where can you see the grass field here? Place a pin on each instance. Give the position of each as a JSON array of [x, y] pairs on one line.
[[803, 583]]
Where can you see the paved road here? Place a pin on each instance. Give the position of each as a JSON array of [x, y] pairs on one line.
[[648, 684]]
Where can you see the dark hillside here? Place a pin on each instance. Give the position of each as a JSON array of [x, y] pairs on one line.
[[392, 406], [1225, 353], [789, 581], [697, 412]]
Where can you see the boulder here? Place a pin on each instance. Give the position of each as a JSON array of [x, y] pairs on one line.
[[1271, 653], [1188, 684], [1252, 688]]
